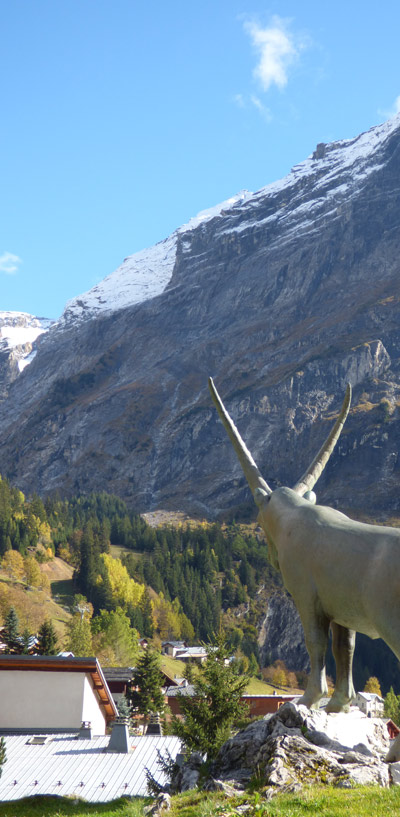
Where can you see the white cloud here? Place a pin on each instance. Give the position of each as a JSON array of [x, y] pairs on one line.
[[264, 111], [9, 263], [396, 106], [277, 51]]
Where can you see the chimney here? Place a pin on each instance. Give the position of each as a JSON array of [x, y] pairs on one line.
[[154, 727], [85, 732], [119, 738]]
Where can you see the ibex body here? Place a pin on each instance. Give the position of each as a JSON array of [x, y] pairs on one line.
[[341, 573]]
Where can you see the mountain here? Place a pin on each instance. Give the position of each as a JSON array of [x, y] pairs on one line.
[[18, 334], [283, 296]]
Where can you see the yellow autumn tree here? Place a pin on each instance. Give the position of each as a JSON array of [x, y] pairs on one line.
[[124, 590], [373, 685], [44, 534], [33, 575], [171, 621], [13, 563]]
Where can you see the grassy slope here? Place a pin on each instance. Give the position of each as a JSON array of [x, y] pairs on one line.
[[34, 605], [57, 807], [323, 801]]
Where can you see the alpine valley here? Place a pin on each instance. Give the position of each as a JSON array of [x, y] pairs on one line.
[[283, 295]]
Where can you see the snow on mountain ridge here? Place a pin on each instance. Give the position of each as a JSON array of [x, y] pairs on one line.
[[146, 274], [140, 277], [143, 275]]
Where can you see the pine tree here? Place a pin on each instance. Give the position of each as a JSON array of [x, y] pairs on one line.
[[149, 680], [216, 704], [26, 637], [146, 610], [11, 625], [392, 706], [47, 639], [124, 710]]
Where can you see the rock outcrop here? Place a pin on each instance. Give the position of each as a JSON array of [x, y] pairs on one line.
[[296, 747], [281, 635]]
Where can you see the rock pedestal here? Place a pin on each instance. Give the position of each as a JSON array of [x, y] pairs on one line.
[[297, 746]]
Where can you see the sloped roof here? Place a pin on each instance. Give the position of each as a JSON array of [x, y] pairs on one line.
[[118, 673], [370, 696], [66, 766], [56, 663], [174, 691]]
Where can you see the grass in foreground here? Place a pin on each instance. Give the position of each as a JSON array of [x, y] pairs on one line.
[[41, 806], [323, 801]]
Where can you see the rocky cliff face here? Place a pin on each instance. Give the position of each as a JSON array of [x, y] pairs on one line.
[[281, 636], [283, 296]]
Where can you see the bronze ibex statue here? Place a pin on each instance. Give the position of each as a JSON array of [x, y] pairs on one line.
[[341, 574]]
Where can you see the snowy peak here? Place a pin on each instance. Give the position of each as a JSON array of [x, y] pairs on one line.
[[18, 332], [351, 157]]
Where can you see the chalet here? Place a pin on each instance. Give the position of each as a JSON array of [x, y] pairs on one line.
[[172, 647], [370, 703]]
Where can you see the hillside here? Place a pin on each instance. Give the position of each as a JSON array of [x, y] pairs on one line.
[[34, 605]]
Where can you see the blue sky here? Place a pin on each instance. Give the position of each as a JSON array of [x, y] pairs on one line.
[[121, 120]]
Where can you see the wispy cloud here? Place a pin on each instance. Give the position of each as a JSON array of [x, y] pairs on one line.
[[389, 112], [9, 263], [277, 48], [244, 101], [264, 111]]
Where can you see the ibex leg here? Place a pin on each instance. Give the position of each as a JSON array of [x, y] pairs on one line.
[[343, 643]]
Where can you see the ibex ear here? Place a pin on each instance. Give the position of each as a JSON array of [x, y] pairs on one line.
[[310, 496], [260, 496]]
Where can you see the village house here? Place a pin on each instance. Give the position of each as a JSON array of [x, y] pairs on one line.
[[171, 647], [370, 703]]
